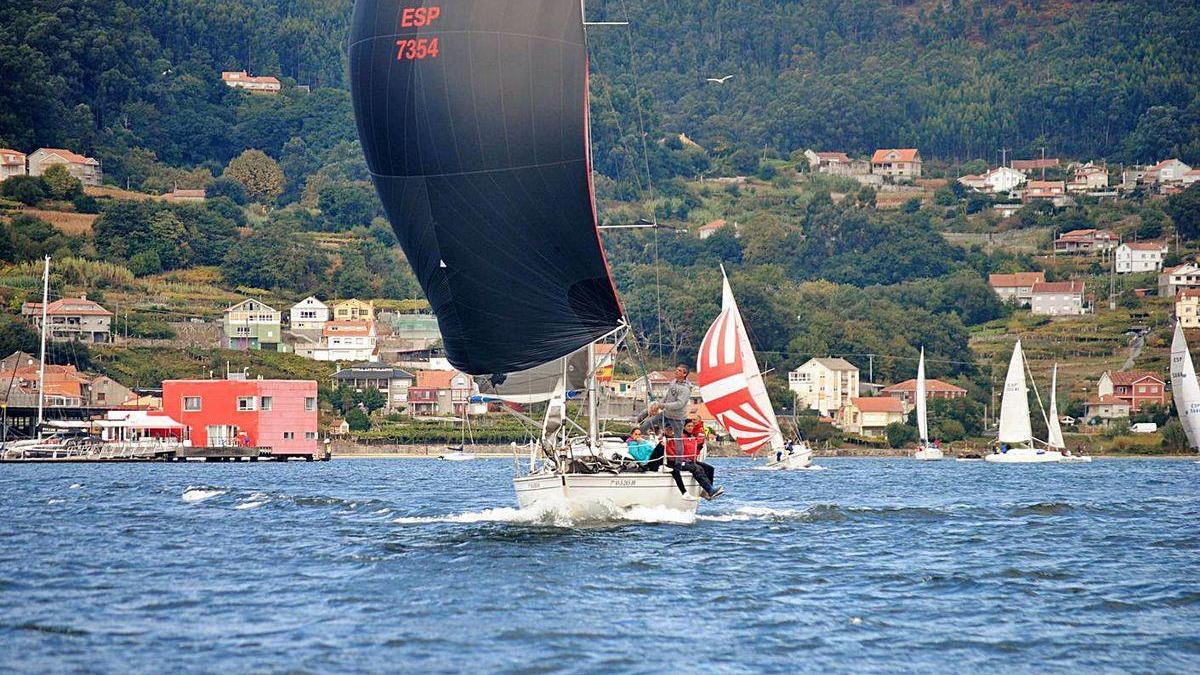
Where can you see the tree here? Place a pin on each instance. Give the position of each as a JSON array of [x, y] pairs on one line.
[[1173, 436], [25, 237], [145, 263], [260, 175], [16, 335], [60, 184], [1184, 209], [352, 278], [372, 399], [347, 205], [226, 187], [29, 190], [900, 434], [358, 420]]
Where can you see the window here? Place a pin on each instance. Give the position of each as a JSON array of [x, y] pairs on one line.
[[310, 402], [191, 403], [310, 435], [289, 435], [265, 403], [245, 403]]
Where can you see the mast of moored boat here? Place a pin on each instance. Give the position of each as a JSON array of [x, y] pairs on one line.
[[42, 356]]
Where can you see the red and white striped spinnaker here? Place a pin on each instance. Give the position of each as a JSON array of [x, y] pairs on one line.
[[731, 384]]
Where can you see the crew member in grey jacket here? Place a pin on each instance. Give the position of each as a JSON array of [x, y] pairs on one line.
[[671, 412]]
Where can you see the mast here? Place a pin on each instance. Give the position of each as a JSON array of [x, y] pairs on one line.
[[42, 355], [592, 403]]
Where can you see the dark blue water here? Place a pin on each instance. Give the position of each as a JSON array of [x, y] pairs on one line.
[[397, 565]]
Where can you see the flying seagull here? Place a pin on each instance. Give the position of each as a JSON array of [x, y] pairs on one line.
[[719, 80]]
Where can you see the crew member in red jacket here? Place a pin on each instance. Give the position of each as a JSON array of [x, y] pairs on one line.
[[685, 456]]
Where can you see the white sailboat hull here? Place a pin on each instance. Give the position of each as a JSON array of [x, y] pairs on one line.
[[457, 456], [1024, 456], [928, 453], [623, 491], [790, 463]]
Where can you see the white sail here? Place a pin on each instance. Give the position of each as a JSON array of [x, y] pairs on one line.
[[1054, 430], [922, 420], [731, 383], [1185, 388], [1015, 428]]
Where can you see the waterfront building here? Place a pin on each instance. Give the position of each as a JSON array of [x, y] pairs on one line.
[[277, 414], [824, 384]]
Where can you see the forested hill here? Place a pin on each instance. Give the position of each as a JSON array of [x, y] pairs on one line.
[[957, 78]]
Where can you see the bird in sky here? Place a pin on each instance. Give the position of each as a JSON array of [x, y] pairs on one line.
[[719, 80]]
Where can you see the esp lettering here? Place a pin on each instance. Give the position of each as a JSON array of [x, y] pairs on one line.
[[416, 17]]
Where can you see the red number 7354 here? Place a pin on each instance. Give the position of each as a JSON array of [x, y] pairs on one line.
[[416, 49]]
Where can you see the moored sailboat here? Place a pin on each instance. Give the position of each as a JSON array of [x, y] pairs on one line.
[[1016, 444], [1054, 434], [1184, 388], [927, 451], [474, 124], [731, 385]]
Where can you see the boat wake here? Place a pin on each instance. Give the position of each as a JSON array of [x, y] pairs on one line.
[[199, 494], [560, 514], [810, 467]]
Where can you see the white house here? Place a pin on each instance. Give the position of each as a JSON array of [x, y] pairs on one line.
[[12, 163], [1174, 279], [352, 341], [869, 416], [1143, 256], [1187, 307], [309, 314], [240, 79], [824, 384], [1058, 298], [1015, 288], [1167, 171], [86, 169], [1089, 178], [1002, 179]]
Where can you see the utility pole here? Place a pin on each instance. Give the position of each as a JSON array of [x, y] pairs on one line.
[[1043, 162], [1112, 285], [871, 367]]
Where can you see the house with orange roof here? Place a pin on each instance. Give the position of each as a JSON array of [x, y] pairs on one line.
[[1167, 171], [178, 195], [833, 163], [712, 227], [897, 163], [443, 392], [240, 79], [86, 169], [1026, 165], [1089, 178], [350, 341], [870, 415], [1044, 189], [1015, 288], [1058, 298], [12, 163], [72, 319], [1173, 279], [1137, 387], [1140, 256], [907, 391], [1187, 307], [1105, 408], [1190, 178]]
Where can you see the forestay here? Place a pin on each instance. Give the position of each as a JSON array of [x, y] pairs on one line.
[[473, 119], [731, 384]]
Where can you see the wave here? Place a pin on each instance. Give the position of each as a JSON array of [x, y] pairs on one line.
[[1043, 509], [560, 514], [199, 494], [75, 486]]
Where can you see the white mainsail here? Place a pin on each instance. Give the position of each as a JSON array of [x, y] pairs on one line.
[[1054, 430], [731, 384], [1015, 428], [922, 421], [1184, 387]]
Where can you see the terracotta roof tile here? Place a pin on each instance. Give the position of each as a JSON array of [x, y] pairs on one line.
[[1017, 280], [878, 404], [931, 385], [900, 155]]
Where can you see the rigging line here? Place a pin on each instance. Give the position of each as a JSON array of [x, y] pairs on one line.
[[1036, 395], [637, 99]]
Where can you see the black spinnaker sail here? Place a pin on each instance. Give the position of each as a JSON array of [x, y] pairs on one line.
[[473, 118]]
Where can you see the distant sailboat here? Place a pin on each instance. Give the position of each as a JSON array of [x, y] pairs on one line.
[[1184, 388], [1016, 443], [1054, 434], [731, 385], [928, 451]]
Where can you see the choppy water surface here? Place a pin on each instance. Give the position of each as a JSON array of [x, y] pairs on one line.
[[872, 565]]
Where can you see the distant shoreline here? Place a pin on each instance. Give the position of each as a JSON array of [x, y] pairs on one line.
[[856, 453]]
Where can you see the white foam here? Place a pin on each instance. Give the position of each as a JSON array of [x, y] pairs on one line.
[[55, 501], [745, 513], [76, 486], [249, 505], [559, 514], [194, 494]]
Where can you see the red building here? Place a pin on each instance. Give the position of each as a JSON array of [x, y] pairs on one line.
[[1136, 387], [276, 414]]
